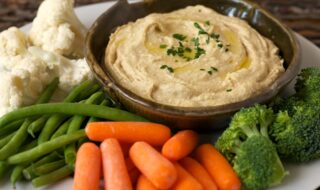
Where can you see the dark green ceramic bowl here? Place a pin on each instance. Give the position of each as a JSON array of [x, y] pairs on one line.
[[211, 117]]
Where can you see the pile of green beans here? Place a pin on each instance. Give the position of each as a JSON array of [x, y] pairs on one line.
[[39, 142]]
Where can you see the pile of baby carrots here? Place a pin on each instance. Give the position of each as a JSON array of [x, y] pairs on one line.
[[144, 156]]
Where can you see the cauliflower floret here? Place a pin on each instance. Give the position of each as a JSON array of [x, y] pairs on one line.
[[70, 72], [57, 29], [12, 42], [23, 78]]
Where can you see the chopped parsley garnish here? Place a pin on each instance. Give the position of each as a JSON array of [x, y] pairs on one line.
[[163, 46], [210, 70], [229, 90], [170, 69], [214, 69], [220, 45], [207, 22], [199, 52], [179, 37], [195, 41]]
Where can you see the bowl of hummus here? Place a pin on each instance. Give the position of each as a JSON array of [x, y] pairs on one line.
[[191, 64]]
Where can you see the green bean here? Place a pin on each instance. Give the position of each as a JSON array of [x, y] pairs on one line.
[[4, 166], [15, 142], [29, 146], [16, 174], [62, 129], [37, 125], [49, 167], [85, 94], [29, 171], [48, 92], [10, 128], [71, 109], [45, 148], [49, 128], [76, 122], [56, 120], [105, 102], [6, 139], [77, 90], [52, 177]]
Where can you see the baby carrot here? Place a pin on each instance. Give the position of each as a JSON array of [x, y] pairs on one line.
[[132, 170], [180, 145], [87, 168], [157, 169], [199, 173], [129, 132], [144, 184], [185, 181], [115, 172], [218, 167]]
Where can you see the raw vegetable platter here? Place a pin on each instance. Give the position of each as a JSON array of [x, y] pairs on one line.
[[303, 176]]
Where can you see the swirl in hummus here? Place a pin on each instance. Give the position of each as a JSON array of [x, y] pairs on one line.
[[192, 57]]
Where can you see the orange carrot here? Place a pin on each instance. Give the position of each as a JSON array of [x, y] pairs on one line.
[[129, 132], [115, 172], [185, 181], [199, 173], [157, 169], [218, 167], [144, 184], [87, 168], [180, 145], [134, 173]]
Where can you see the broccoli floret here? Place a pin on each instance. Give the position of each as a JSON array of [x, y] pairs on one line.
[[307, 86], [247, 146], [297, 134]]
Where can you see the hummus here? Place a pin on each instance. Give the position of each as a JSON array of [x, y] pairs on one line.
[[192, 57]]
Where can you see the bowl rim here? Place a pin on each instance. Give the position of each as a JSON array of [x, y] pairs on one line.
[[196, 112]]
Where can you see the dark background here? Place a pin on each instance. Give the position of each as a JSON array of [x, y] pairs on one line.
[[303, 16]]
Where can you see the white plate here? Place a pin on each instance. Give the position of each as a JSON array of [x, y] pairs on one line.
[[302, 177]]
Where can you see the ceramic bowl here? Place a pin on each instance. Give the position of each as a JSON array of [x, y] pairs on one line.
[[211, 117]]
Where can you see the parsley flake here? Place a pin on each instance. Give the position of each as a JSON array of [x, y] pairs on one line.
[[163, 46], [179, 37], [229, 90], [170, 69]]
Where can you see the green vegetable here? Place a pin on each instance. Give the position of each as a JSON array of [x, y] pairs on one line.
[[15, 142], [296, 130], [52, 177], [307, 86], [57, 119], [49, 167], [45, 148], [70, 109], [87, 93], [48, 92], [297, 135], [247, 146], [37, 125], [6, 139], [62, 129], [76, 122], [16, 174], [29, 172], [4, 167], [10, 128]]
